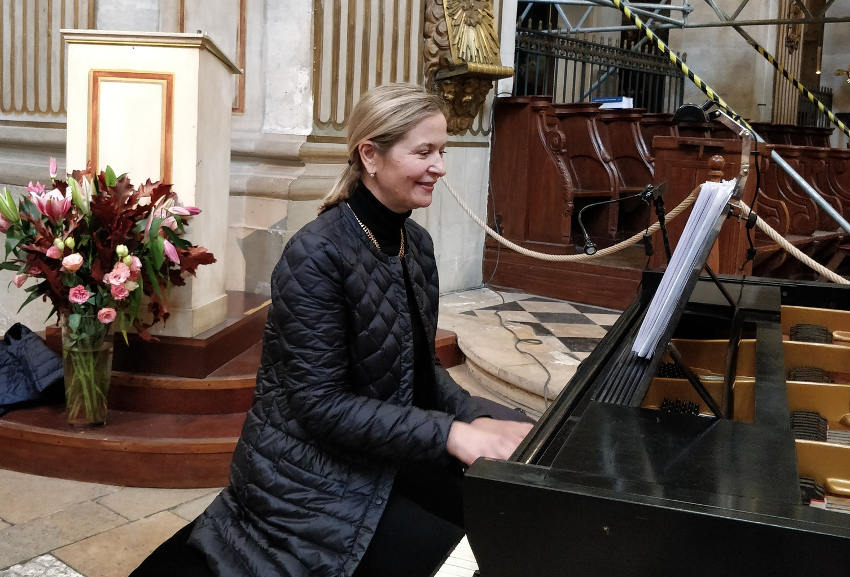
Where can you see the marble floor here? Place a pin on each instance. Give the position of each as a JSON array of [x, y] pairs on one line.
[[59, 528]]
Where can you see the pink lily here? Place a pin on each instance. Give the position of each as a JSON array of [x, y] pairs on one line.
[[185, 210], [37, 188], [53, 171], [19, 280], [4, 224], [170, 222], [171, 252], [52, 204]]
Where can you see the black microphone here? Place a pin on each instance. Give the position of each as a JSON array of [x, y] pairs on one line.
[[589, 246]]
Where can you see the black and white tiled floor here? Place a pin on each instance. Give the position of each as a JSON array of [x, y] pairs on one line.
[[579, 327], [521, 347]]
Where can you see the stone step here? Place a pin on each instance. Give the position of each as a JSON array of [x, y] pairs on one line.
[[161, 430], [133, 448], [228, 389]]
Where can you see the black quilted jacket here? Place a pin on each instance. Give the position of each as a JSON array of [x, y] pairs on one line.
[[332, 416]]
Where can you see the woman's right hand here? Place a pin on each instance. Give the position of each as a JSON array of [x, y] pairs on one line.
[[485, 437]]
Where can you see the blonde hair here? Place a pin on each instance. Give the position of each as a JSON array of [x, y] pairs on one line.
[[383, 116]]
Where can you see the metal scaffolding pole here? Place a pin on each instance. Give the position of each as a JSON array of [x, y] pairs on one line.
[[769, 57], [635, 19]]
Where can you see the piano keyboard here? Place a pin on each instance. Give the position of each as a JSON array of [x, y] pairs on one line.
[[839, 436], [461, 562]]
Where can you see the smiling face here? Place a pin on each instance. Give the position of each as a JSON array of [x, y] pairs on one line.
[[405, 175]]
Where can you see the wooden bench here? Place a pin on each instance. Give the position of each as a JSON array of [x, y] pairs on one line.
[[684, 163]]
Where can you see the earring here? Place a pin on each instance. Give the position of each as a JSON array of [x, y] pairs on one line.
[[371, 175]]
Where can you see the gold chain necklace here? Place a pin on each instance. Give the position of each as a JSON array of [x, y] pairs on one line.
[[372, 236]]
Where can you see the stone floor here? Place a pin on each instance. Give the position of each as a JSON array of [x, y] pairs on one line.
[[58, 528], [521, 349]]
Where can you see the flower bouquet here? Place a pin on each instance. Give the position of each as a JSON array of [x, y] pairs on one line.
[[95, 246]]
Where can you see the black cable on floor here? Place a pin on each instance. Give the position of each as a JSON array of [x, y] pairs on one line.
[[530, 341]]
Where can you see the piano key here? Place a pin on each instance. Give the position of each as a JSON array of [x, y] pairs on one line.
[[838, 436], [461, 562]]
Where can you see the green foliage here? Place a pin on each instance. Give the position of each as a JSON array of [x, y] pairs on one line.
[[98, 212]]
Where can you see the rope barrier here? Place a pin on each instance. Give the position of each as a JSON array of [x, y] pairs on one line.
[[569, 257], [790, 248], [746, 210]]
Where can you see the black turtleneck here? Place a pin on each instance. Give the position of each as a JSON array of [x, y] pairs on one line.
[[386, 225]]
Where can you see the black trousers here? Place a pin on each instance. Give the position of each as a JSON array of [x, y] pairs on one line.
[[422, 521], [175, 558], [421, 524]]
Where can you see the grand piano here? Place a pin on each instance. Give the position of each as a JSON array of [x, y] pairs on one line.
[[685, 463]]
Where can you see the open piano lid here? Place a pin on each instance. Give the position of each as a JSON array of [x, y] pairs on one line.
[[603, 488]]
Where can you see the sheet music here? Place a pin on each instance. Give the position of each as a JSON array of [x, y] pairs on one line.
[[708, 207]]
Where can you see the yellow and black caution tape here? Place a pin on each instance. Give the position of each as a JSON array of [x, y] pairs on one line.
[[803, 90], [635, 19]]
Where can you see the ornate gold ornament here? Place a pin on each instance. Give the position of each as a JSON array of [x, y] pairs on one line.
[[462, 56], [793, 31]]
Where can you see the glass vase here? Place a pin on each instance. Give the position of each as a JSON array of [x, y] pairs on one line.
[[87, 362]]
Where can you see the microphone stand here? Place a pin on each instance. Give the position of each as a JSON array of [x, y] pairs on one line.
[[649, 193]]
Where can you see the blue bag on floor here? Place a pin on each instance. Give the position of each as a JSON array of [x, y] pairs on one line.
[[29, 371]]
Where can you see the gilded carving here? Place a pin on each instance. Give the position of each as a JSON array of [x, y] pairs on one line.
[[437, 54], [793, 31], [472, 30], [462, 56], [464, 96]]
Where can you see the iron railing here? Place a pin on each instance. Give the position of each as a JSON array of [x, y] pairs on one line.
[[572, 69], [808, 113]]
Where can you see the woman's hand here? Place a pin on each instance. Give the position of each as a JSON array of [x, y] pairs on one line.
[[485, 437]]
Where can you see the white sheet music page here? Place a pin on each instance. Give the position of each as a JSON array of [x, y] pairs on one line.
[[708, 207]]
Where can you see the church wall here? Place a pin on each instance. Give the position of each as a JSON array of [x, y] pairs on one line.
[[138, 15], [287, 147], [837, 56], [727, 62]]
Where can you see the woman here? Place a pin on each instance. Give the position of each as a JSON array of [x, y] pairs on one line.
[[350, 459]]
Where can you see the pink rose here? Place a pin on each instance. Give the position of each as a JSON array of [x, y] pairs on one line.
[[119, 275], [19, 280], [119, 292], [79, 294], [135, 268], [54, 252], [106, 315], [73, 262]]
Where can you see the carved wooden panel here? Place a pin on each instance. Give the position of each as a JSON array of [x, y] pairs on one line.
[[684, 163], [656, 124]]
